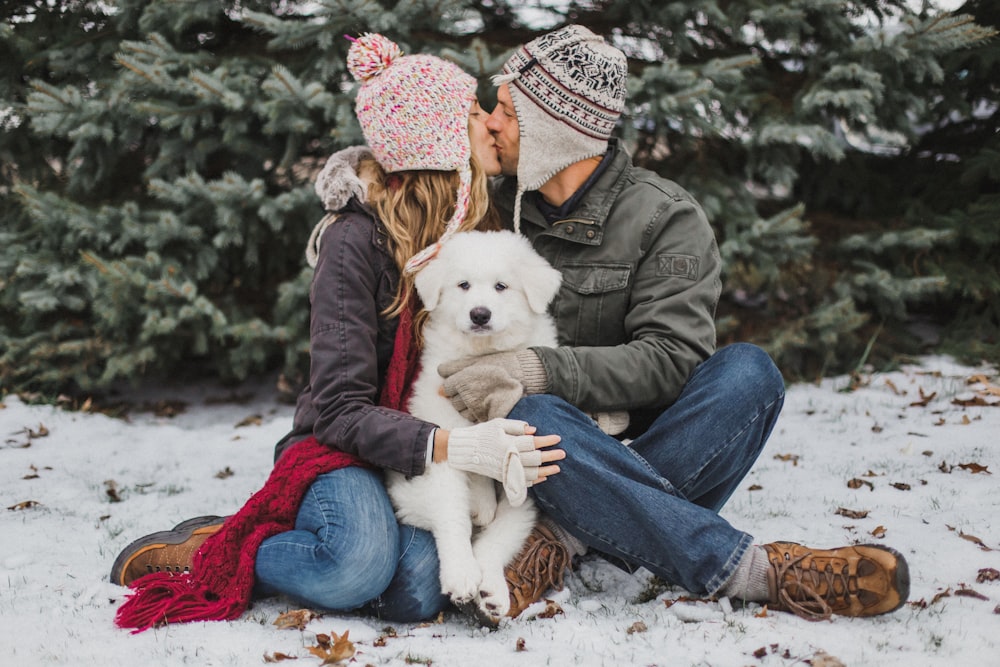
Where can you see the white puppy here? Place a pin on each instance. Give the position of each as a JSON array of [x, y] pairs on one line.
[[485, 292]]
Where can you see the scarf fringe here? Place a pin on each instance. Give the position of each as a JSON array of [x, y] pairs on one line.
[[162, 598]]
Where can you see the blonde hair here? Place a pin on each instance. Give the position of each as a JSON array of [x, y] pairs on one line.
[[415, 207]]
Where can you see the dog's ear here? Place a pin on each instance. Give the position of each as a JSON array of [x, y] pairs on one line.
[[541, 282], [429, 282]]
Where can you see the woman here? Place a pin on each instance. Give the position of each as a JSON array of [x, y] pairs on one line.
[[322, 530]]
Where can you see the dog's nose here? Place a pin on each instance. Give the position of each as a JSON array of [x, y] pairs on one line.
[[480, 315]]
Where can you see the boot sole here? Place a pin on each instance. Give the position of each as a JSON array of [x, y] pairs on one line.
[[158, 541]]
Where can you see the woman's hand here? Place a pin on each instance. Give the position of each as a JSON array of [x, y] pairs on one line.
[[504, 449]]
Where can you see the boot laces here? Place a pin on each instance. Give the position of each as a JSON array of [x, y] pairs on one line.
[[533, 565], [808, 582], [547, 570]]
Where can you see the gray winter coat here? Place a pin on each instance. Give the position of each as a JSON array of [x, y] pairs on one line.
[[641, 283]]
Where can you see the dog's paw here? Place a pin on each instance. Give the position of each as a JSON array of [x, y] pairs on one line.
[[461, 585], [494, 598], [475, 613]]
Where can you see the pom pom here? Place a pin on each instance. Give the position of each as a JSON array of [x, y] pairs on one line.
[[370, 54]]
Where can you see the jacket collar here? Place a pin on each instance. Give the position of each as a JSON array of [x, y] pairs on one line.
[[585, 224]]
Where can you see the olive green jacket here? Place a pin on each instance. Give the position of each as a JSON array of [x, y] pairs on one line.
[[635, 313]]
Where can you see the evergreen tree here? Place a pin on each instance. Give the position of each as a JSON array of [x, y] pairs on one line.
[[157, 164]]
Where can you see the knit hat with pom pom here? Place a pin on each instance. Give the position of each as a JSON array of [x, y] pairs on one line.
[[414, 113]]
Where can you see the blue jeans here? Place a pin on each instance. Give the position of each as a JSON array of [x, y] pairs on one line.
[[347, 552], [655, 503]]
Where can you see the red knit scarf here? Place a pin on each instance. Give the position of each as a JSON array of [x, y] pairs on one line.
[[219, 586]]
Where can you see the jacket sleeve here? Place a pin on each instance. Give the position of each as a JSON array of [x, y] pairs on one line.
[[669, 319], [344, 364]]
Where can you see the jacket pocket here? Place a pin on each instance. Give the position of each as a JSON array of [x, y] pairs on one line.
[[592, 303]]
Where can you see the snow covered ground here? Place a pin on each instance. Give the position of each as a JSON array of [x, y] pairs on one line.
[[900, 460]]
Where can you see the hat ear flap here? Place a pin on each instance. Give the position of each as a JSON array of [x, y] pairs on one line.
[[429, 283], [541, 283]]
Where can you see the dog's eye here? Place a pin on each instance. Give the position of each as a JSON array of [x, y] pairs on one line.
[[464, 285], [500, 287]]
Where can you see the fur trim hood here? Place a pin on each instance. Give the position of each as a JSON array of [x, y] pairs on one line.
[[338, 182]]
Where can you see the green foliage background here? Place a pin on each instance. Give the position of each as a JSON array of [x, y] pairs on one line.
[[156, 166]]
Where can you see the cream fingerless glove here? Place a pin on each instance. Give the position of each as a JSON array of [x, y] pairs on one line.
[[498, 449]]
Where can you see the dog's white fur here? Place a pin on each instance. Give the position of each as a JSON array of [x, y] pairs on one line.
[[485, 292]]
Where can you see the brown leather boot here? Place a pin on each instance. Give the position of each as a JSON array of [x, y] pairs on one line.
[[539, 567], [862, 580], [169, 551]]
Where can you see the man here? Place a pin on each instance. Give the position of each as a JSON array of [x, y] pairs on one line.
[[636, 326]]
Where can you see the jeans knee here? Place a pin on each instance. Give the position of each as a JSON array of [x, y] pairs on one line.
[[412, 608], [753, 369], [350, 577], [415, 592]]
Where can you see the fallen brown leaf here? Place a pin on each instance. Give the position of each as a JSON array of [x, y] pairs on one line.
[[297, 619], [851, 514], [552, 609], [333, 649], [388, 632], [975, 540], [879, 532], [24, 505], [901, 486], [794, 458], [278, 657], [987, 574], [975, 402], [967, 592], [857, 483], [252, 420], [111, 491], [638, 626], [975, 468], [924, 399], [520, 646], [946, 593]]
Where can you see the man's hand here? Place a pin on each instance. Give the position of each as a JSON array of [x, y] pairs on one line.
[[487, 387], [507, 451]]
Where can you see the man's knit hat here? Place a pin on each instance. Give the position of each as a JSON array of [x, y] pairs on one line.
[[414, 113], [568, 89]]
